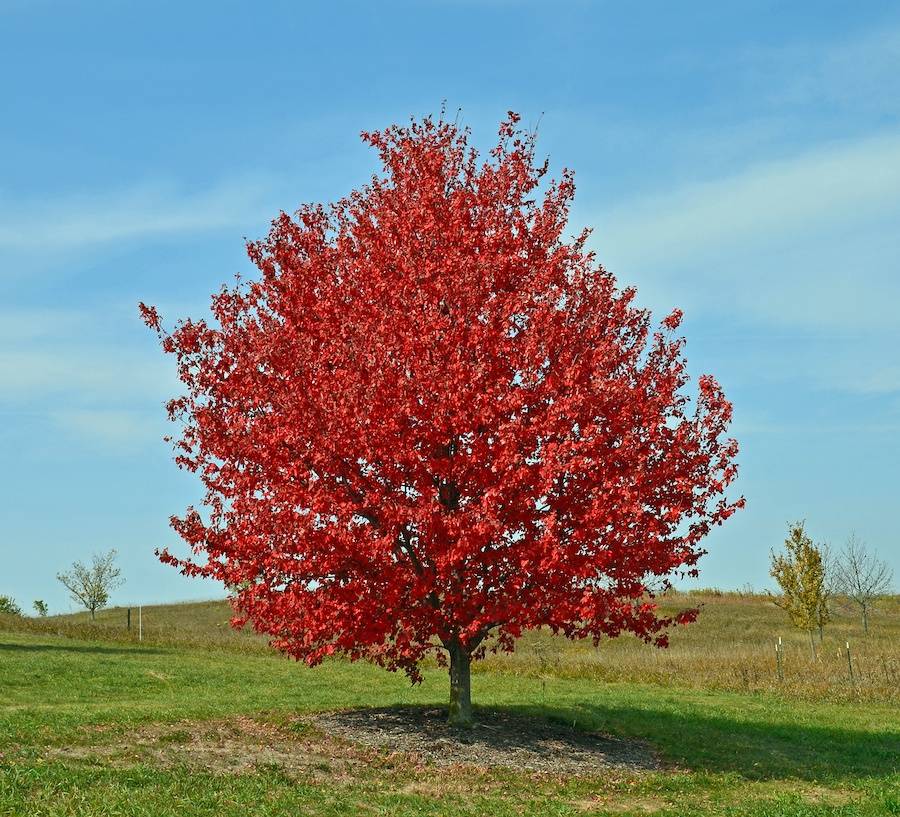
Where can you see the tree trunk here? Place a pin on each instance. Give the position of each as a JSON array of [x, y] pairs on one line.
[[812, 645], [460, 686], [865, 619], [92, 614]]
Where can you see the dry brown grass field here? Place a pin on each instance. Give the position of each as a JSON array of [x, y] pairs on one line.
[[732, 647]]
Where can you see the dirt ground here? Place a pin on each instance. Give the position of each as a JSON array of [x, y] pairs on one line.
[[343, 742], [498, 739]]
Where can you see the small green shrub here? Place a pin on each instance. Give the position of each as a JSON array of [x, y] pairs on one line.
[[9, 607]]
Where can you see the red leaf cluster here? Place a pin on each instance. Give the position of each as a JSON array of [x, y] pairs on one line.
[[433, 418]]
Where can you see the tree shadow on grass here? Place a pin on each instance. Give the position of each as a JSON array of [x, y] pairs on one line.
[[81, 648], [498, 738], [754, 750]]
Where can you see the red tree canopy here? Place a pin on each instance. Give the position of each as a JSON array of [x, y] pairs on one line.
[[434, 418]]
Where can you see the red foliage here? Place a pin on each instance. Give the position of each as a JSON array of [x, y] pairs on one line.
[[433, 418]]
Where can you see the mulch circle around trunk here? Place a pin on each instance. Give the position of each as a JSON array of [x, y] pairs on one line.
[[497, 739]]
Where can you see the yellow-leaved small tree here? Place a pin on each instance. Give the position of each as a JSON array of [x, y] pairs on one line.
[[800, 573]]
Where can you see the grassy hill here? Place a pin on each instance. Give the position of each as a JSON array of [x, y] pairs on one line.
[[188, 722], [731, 646]]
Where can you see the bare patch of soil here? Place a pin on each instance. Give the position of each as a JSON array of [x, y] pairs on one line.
[[498, 739], [224, 746], [340, 745]]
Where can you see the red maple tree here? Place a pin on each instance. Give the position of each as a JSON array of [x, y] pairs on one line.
[[433, 422]]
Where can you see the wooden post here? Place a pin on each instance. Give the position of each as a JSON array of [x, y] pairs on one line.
[[850, 663], [128, 620], [778, 651], [140, 623]]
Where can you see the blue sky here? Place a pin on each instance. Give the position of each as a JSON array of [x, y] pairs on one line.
[[740, 160]]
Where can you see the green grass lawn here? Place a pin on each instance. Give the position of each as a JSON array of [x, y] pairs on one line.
[[725, 752]]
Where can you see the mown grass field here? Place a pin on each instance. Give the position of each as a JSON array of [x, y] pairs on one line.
[[87, 714]]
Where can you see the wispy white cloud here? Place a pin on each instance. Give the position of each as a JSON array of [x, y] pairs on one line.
[[57, 368], [27, 325], [767, 203], [808, 242], [805, 247], [72, 221], [879, 380], [85, 373], [116, 429], [860, 72]]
